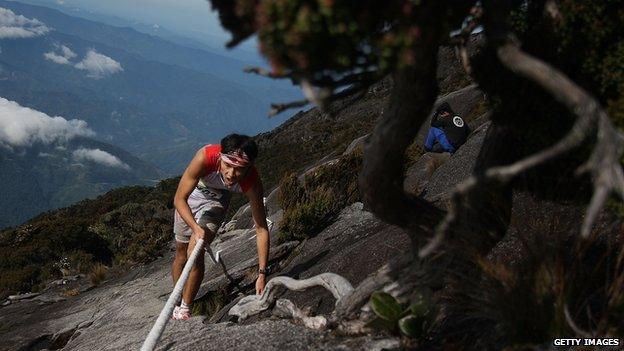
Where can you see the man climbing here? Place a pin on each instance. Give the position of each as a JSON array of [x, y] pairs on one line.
[[201, 201], [448, 131]]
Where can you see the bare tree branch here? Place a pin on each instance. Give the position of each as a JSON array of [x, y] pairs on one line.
[[279, 108], [605, 169], [604, 163], [573, 325], [266, 73], [348, 299]]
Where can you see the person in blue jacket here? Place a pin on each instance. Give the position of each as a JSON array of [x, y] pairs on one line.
[[448, 131]]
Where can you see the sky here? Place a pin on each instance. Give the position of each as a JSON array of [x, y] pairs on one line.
[[183, 15], [191, 18]]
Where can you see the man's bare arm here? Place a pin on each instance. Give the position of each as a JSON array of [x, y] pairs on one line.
[[189, 180], [255, 196]]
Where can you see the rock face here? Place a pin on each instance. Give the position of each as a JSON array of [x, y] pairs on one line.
[[533, 219], [355, 246], [119, 314], [418, 175]]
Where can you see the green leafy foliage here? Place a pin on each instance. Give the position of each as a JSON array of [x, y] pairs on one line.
[[412, 320], [127, 225], [386, 306], [422, 314], [411, 326], [322, 39]]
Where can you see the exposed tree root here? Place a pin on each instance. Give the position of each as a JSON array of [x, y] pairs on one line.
[[285, 307], [394, 277], [254, 304]]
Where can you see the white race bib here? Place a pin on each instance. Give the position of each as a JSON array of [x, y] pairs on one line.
[[212, 193]]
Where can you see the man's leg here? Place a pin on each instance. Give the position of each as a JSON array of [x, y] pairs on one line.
[[197, 271], [179, 261]]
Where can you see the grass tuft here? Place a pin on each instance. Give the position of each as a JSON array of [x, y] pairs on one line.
[[98, 274], [311, 205]]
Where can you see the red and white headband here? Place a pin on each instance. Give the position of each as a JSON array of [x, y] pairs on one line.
[[236, 158]]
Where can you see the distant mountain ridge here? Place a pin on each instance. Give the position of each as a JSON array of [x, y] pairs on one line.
[[44, 177], [166, 100], [149, 102], [149, 47]]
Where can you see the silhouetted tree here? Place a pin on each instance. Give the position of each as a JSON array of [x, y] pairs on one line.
[[548, 119]]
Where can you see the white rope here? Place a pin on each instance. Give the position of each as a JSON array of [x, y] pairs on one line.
[[152, 338], [154, 335]]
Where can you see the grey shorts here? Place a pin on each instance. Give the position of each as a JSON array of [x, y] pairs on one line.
[[207, 215]]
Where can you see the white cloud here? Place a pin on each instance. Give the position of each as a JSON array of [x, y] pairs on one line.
[[14, 26], [98, 65], [67, 52], [99, 156], [63, 58], [22, 126], [56, 58]]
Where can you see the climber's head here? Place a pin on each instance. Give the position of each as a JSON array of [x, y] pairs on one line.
[[444, 110], [238, 153]]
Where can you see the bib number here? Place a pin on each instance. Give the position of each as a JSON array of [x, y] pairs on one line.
[[212, 193]]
